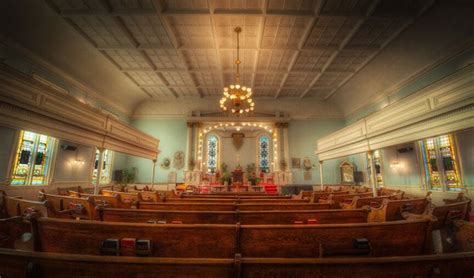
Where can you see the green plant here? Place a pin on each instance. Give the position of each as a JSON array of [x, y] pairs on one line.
[[225, 177], [129, 176]]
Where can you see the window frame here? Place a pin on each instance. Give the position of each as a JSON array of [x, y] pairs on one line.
[[424, 171], [13, 159], [109, 168], [218, 154], [270, 151]]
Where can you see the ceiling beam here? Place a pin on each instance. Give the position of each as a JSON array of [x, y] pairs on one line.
[[218, 54], [302, 42], [346, 40], [259, 39], [408, 22]]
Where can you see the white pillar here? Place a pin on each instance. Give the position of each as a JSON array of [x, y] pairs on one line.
[[153, 170], [286, 145], [371, 173], [321, 174], [189, 146], [99, 170], [276, 151]]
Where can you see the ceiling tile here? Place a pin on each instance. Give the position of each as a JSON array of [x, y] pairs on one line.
[[186, 91], [283, 31], [146, 78], [268, 79], [178, 78], [159, 92], [312, 60], [290, 92], [102, 30], [330, 31], [226, 36], [148, 30], [213, 79], [331, 79], [292, 5], [201, 59], [128, 59], [166, 59], [229, 5], [247, 58], [275, 59], [192, 31], [299, 79]]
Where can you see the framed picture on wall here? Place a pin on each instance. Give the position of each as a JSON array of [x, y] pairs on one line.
[[296, 162]]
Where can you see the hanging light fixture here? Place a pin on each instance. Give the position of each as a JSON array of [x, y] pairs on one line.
[[237, 99]]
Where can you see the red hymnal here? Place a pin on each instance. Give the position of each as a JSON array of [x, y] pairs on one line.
[[312, 221], [127, 246]]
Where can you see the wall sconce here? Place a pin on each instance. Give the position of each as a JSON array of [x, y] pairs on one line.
[[396, 165]]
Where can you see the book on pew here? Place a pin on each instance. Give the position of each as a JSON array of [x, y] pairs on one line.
[[127, 246], [143, 247], [110, 247], [312, 221]]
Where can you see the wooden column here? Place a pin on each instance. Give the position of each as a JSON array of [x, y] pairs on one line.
[[321, 174], [99, 170], [371, 169]]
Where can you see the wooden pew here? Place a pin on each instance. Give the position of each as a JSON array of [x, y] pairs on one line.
[[216, 196], [53, 265], [148, 196], [168, 240], [239, 201], [446, 214], [444, 265], [194, 206], [282, 206], [335, 239], [125, 197], [359, 202], [11, 230], [106, 201], [338, 199], [323, 196], [383, 191], [231, 217], [392, 209], [23, 264], [20, 207], [80, 208], [223, 241]]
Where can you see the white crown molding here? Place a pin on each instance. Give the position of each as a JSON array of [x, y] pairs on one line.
[[29, 104], [10, 43], [443, 107], [393, 90]]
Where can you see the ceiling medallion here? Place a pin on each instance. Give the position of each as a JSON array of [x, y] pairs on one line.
[[237, 99]]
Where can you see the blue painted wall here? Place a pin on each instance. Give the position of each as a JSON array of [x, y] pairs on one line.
[[172, 136], [302, 137]]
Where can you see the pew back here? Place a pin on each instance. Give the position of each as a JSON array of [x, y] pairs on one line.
[[334, 239], [86, 237], [80, 207], [231, 217]]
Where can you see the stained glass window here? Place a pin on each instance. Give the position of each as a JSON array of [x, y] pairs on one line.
[[33, 159], [439, 156], [264, 153], [378, 168], [212, 153], [105, 163]]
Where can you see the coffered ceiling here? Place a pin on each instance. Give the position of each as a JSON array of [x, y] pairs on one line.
[[290, 48]]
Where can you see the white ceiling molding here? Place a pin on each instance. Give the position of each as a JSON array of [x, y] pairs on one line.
[[443, 107], [92, 94], [26, 103]]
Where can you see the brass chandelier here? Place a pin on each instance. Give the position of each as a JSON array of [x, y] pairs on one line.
[[237, 99]]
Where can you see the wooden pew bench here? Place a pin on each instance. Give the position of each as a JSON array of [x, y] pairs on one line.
[[168, 240], [125, 197], [41, 264], [359, 202], [106, 201], [392, 209], [231, 217], [194, 206], [223, 241], [385, 239], [339, 199], [80, 208]]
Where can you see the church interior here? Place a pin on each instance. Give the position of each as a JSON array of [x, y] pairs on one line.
[[236, 138]]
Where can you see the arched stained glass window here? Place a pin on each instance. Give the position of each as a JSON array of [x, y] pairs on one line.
[[264, 153], [212, 152]]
